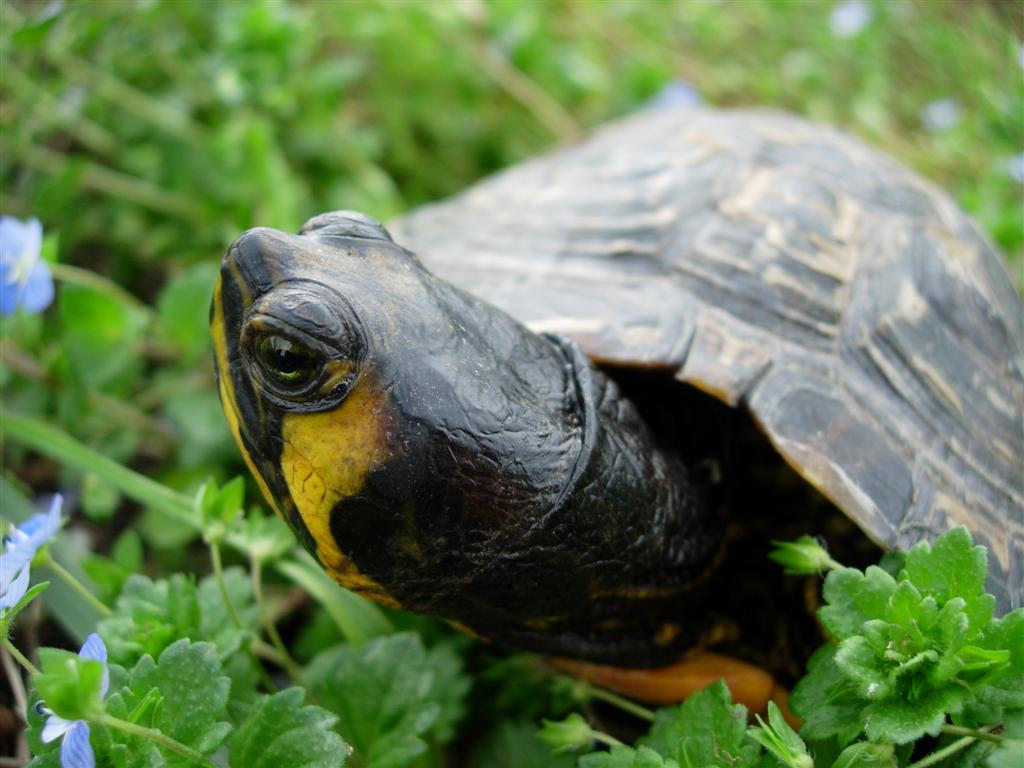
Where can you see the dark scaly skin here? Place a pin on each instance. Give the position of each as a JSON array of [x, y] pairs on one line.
[[848, 305], [514, 491]]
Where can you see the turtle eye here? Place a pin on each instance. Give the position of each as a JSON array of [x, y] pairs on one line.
[[287, 362]]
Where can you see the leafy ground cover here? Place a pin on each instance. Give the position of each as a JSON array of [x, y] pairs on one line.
[[145, 135]]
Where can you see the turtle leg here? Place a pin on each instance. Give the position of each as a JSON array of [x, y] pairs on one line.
[[750, 685]]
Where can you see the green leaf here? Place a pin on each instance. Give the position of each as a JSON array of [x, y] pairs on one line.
[[705, 730], [626, 757], [572, 733], [110, 573], [218, 508], [853, 598], [858, 662], [381, 693], [1007, 633], [515, 744], [99, 498], [7, 616], [780, 740], [281, 731], [149, 616], [69, 685], [100, 337], [950, 567], [826, 700], [1009, 754], [864, 754], [183, 307], [449, 689], [204, 439], [215, 624], [246, 675], [267, 538], [127, 550], [901, 721], [193, 696]]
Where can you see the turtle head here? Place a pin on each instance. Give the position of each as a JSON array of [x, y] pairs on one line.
[[390, 419], [434, 454], [295, 320]]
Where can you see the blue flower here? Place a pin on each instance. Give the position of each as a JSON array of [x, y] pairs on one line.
[[75, 750], [24, 278], [1015, 167], [849, 17], [20, 546], [12, 593], [678, 93], [941, 115]]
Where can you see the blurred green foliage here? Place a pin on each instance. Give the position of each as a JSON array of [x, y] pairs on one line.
[[148, 133], [145, 134], [168, 126]]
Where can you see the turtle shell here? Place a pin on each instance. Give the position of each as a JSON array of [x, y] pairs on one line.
[[870, 329]]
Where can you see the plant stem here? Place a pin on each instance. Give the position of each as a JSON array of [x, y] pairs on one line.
[[17, 685], [53, 442], [125, 414], [541, 104], [605, 738], [975, 733], [47, 561], [265, 650], [357, 618], [951, 749], [15, 682], [218, 574], [624, 704], [19, 657], [88, 279], [155, 736], [110, 182], [268, 625], [24, 365], [260, 650], [55, 112], [942, 754]]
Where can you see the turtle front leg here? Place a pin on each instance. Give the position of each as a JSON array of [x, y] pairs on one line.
[[750, 685]]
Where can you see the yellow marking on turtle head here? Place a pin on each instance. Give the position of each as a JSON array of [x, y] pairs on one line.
[[325, 458], [226, 389]]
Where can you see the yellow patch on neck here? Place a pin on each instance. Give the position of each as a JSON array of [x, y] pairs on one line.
[[228, 400], [325, 458]]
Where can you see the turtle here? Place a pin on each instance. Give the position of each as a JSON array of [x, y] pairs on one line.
[[511, 408]]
